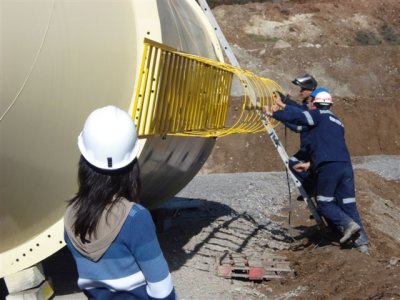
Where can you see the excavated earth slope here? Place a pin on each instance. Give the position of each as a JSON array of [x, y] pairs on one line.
[[352, 47]]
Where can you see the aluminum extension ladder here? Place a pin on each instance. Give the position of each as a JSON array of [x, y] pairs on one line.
[[271, 132]]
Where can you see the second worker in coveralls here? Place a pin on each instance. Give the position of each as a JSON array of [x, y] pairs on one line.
[[308, 86], [331, 163]]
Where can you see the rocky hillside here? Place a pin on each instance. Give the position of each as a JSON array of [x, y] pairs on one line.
[[351, 47]]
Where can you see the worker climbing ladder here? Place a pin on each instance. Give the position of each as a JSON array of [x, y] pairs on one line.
[[271, 132]]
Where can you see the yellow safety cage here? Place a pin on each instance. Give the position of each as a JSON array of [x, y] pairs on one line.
[[183, 94]]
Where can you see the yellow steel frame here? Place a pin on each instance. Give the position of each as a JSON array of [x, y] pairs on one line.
[[183, 94]]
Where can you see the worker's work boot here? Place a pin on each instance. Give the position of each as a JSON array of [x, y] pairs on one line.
[[363, 249], [350, 230]]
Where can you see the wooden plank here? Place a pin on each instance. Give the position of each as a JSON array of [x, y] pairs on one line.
[[273, 276]]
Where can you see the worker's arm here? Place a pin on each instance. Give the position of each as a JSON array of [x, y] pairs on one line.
[[294, 115], [297, 128], [302, 155], [287, 100], [289, 113]]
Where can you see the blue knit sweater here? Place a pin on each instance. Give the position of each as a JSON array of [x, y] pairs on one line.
[[133, 267]]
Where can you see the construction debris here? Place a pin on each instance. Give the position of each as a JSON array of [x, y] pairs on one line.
[[236, 265]]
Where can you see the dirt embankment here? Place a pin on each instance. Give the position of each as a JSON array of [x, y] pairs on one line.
[[351, 47], [323, 271], [372, 127]]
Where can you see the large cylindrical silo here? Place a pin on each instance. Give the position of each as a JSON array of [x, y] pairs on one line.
[[60, 60]]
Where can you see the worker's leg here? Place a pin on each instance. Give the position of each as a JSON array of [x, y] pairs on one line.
[[309, 184], [345, 194], [328, 176]]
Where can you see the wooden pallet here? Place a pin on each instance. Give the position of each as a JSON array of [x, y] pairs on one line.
[[236, 265]]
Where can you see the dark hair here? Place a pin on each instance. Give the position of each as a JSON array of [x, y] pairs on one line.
[[100, 188]]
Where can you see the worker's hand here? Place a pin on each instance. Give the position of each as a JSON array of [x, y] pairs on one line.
[[274, 107], [281, 95], [267, 111], [301, 167]]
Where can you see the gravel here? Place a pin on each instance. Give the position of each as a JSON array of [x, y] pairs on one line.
[[263, 195], [257, 193], [386, 166]]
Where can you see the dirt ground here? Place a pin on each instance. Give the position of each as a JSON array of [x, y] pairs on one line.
[[328, 272]]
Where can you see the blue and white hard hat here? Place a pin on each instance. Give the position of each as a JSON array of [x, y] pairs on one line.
[[318, 90], [323, 98]]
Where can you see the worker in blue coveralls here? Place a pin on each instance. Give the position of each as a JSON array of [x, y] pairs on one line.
[[308, 85], [306, 177], [111, 237], [331, 163]]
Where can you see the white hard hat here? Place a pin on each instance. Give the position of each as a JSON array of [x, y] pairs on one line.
[[323, 98], [109, 140]]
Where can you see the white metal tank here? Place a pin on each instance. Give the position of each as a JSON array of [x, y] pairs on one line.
[[60, 60]]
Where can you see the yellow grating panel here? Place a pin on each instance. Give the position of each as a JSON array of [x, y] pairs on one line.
[[183, 94]]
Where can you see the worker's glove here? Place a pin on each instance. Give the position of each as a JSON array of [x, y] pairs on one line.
[[284, 98]]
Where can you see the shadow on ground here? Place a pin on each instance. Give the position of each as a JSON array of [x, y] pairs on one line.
[[191, 217], [210, 228], [177, 223]]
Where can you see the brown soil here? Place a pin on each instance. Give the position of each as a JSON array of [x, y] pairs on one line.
[[325, 271], [351, 47]]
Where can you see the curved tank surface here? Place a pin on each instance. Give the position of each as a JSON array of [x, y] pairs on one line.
[[59, 61]]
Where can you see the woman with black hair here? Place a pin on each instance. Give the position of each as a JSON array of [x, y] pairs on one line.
[[111, 237]]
